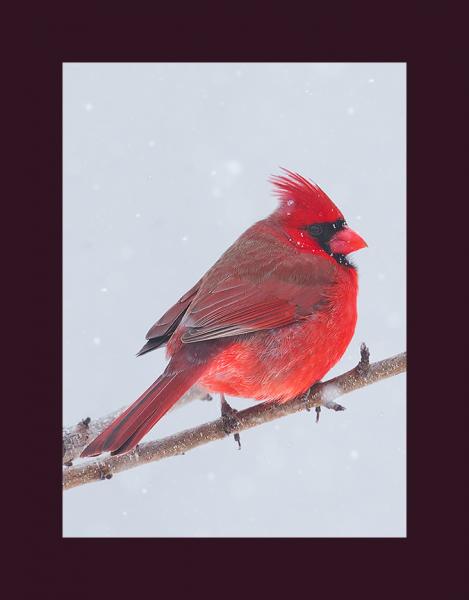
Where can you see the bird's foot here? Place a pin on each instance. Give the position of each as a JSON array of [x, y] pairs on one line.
[[308, 400], [318, 413], [333, 405], [230, 421], [327, 403]]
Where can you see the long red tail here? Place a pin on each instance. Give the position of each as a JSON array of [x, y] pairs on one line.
[[128, 429]]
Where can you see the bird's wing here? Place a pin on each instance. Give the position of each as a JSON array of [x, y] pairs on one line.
[[242, 302], [163, 329]]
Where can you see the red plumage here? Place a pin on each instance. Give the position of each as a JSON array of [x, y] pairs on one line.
[[267, 321]]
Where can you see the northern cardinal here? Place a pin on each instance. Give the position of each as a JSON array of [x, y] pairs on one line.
[[271, 317]]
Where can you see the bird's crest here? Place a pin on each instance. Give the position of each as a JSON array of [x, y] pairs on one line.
[[301, 201]]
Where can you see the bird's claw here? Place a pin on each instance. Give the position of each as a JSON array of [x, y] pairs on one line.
[[335, 406], [230, 421], [318, 413], [317, 406], [307, 397]]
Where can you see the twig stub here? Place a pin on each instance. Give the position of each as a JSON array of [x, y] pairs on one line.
[[364, 363]]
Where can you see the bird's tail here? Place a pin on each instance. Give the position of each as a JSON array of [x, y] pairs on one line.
[[128, 429]]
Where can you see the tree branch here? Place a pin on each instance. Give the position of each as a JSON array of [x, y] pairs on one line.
[[78, 436], [321, 394]]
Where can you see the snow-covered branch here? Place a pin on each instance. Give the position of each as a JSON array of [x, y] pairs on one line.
[[322, 394], [78, 436]]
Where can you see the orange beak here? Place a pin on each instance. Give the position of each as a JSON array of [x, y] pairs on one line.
[[345, 241]]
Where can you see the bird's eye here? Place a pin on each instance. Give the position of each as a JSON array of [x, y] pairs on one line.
[[316, 230]]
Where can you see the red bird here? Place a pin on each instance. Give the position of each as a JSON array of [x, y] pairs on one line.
[[271, 317]]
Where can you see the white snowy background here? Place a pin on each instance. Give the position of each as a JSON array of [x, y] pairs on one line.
[[164, 166]]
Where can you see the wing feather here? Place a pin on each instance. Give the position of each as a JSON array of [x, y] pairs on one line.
[[242, 294], [244, 301], [164, 328]]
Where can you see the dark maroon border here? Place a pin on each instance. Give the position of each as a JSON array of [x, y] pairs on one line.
[[431, 41]]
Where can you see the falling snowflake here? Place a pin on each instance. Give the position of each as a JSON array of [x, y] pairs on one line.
[[233, 167]]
